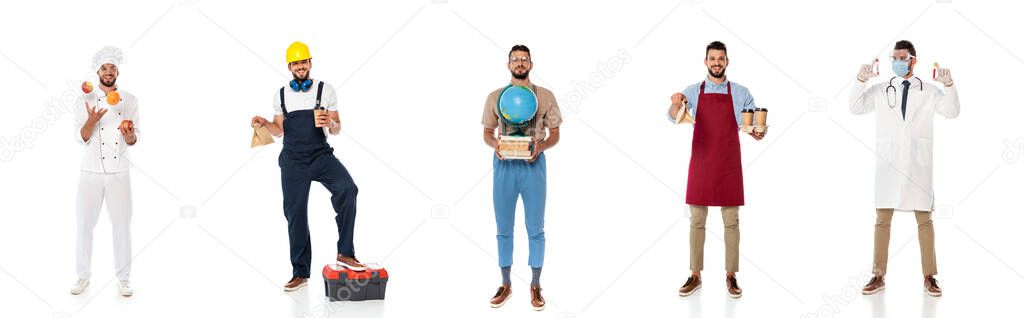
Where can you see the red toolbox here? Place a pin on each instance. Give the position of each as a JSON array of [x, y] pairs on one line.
[[341, 283]]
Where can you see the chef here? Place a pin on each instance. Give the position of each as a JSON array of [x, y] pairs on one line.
[[716, 174], [104, 177], [904, 109], [305, 111]]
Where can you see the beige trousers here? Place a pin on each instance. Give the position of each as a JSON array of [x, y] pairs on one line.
[[731, 221], [925, 237]]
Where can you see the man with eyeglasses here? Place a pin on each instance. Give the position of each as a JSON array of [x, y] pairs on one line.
[[904, 111], [716, 175], [527, 178]]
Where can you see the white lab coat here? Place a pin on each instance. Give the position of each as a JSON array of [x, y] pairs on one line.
[[903, 171], [104, 178]]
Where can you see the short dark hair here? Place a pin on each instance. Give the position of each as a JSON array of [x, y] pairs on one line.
[[906, 45], [716, 46], [519, 47]]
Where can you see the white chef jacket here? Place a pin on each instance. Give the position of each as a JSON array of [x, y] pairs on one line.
[[106, 150]]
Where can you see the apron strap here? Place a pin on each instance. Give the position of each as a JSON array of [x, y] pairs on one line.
[[283, 109]]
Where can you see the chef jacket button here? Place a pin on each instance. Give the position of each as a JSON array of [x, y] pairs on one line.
[[103, 157], [119, 114]]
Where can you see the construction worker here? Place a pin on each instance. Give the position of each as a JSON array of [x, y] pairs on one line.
[[303, 110]]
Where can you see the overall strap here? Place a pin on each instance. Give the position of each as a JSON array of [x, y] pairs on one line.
[[319, 91], [283, 109]]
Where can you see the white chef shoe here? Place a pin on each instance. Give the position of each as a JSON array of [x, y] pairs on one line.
[[79, 286]]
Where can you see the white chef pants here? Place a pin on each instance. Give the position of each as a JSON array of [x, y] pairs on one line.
[[93, 189]]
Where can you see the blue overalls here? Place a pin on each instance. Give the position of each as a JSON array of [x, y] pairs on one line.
[[307, 157], [513, 178]]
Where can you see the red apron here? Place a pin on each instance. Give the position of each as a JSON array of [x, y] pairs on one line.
[[716, 172]]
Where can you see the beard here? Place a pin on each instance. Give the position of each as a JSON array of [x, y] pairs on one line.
[[110, 83], [300, 79], [716, 75], [524, 75]]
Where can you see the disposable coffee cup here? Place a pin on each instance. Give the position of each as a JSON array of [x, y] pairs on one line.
[[316, 114], [748, 117], [761, 117]]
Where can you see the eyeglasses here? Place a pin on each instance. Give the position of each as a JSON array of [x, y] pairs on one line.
[[517, 59]]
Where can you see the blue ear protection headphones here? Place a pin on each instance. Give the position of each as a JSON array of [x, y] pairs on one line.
[[301, 86]]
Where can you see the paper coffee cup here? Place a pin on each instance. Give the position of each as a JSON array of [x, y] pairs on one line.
[[761, 116], [748, 117]]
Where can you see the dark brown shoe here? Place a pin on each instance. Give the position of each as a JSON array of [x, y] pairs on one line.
[[734, 288], [351, 263], [691, 286], [931, 287], [504, 292], [875, 285], [295, 284], [536, 300]]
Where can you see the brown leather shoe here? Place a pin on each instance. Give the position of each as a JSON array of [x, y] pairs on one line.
[[351, 263], [536, 300], [875, 285], [504, 292], [295, 284], [691, 286], [734, 288], [931, 287]]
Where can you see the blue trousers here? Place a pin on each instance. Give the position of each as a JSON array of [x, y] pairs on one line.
[[296, 178], [512, 179]]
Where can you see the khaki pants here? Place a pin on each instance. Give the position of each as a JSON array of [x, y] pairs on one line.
[[925, 237], [731, 221]]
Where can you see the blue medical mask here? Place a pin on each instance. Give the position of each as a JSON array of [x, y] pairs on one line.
[[901, 68]]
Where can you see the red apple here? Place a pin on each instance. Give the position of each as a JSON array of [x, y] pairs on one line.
[[127, 124], [86, 87]]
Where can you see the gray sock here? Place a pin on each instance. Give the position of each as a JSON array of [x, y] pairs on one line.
[[536, 277], [506, 275]]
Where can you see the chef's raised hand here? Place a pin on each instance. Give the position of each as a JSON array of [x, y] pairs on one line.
[[866, 72], [942, 76], [258, 121], [95, 113]]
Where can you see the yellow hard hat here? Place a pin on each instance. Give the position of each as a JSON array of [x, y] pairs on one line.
[[298, 51]]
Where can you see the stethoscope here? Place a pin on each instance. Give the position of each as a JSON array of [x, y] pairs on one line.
[[892, 101]]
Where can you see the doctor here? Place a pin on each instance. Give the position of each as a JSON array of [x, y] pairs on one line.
[[904, 111], [306, 157], [104, 175]]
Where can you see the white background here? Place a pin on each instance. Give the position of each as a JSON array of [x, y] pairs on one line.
[[210, 238]]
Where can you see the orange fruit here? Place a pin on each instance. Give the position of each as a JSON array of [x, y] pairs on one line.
[[113, 98]]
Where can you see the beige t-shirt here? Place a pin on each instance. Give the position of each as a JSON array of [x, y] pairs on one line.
[[548, 115]]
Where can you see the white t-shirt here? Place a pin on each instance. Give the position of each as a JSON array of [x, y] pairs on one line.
[[295, 101]]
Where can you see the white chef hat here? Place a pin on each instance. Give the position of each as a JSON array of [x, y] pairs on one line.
[[107, 55]]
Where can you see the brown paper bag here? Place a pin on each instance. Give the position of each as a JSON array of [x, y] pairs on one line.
[[261, 136], [683, 116]]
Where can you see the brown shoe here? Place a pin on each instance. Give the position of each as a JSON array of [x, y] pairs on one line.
[[351, 263], [504, 292], [875, 285], [536, 299], [295, 284], [691, 286], [733, 287], [931, 286]]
